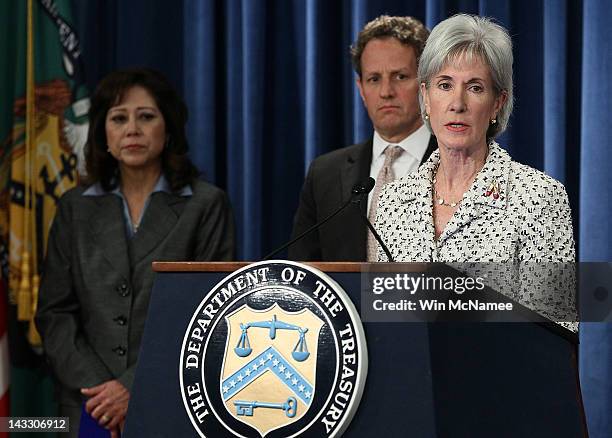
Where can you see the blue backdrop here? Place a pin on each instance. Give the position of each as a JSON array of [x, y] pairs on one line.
[[269, 87]]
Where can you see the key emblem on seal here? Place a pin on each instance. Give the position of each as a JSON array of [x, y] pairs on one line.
[[269, 355], [275, 349]]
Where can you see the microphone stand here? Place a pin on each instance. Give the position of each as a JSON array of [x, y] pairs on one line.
[[372, 230], [315, 226], [359, 191]]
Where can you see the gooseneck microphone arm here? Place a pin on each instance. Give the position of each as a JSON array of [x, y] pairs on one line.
[[359, 190], [371, 227]]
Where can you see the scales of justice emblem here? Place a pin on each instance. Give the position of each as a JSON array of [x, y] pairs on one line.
[[275, 349], [269, 366]]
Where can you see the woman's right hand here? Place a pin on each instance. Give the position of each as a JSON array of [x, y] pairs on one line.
[[108, 403]]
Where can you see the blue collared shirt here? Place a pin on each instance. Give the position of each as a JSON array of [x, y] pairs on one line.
[[161, 186]]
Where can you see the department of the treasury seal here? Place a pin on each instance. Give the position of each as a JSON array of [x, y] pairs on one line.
[[276, 349]]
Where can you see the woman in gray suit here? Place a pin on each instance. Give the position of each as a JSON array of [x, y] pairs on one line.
[[470, 202], [142, 202]]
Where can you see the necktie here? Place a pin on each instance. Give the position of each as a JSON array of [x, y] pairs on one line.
[[385, 175]]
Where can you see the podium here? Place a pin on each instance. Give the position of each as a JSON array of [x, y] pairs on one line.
[[424, 379]]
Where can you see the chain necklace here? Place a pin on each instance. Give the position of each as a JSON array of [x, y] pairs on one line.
[[439, 199], [494, 189]]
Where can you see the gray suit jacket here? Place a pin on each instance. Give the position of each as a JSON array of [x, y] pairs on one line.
[[96, 285]]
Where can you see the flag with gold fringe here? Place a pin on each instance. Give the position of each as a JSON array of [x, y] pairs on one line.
[[43, 127], [4, 358]]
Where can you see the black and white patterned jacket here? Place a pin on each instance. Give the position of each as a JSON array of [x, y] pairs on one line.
[[523, 231]]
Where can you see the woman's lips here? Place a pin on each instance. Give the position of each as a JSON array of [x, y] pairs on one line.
[[456, 126], [131, 147]]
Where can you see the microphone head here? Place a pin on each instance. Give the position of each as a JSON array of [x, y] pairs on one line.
[[364, 187]]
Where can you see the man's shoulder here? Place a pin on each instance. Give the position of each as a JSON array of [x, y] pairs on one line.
[[339, 157]]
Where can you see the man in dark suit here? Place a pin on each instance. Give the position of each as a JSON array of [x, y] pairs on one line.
[[385, 58]]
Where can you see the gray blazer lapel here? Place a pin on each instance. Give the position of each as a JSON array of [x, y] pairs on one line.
[[159, 219], [108, 232]]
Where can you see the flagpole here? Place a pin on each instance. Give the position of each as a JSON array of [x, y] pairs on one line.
[[24, 297], [33, 335]]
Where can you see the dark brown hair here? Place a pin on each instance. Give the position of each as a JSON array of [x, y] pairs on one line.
[[101, 166], [407, 30]]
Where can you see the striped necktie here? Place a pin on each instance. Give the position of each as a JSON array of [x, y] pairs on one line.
[[385, 175]]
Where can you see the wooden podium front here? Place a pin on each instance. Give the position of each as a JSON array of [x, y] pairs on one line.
[[424, 379]]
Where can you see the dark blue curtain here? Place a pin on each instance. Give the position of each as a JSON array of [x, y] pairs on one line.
[[270, 86], [595, 207]]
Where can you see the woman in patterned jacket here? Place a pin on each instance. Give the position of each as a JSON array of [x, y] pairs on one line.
[[470, 202]]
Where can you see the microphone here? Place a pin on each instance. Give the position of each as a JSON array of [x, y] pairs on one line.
[[358, 191], [369, 185], [363, 188]]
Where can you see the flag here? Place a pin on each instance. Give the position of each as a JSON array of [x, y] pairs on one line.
[[4, 358], [43, 128]]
